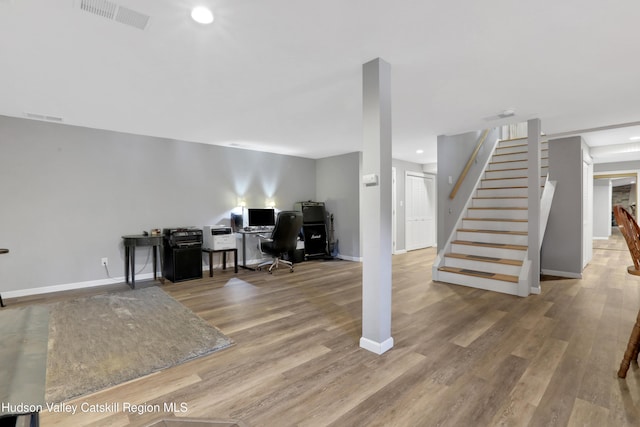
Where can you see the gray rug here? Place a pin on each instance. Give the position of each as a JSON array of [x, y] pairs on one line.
[[100, 341]]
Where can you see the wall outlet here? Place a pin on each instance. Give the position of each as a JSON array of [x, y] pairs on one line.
[[105, 261]]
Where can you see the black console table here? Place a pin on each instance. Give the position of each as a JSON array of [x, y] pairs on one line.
[[3, 251], [131, 242]]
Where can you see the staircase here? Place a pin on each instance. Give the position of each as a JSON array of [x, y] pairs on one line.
[[489, 247]]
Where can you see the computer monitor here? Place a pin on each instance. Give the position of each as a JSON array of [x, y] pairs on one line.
[[261, 217]]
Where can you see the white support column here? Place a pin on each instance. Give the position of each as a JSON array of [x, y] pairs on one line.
[[533, 143], [375, 215]]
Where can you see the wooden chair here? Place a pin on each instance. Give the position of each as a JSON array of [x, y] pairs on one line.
[[631, 232]]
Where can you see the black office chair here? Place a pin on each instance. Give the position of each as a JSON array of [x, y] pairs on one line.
[[283, 239]]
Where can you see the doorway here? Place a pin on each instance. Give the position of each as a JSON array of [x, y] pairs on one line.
[[420, 226]]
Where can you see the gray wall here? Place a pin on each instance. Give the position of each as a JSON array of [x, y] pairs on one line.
[[338, 185], [402, 167], [70, 193], [453, 154], [602, 208], [562, 244]]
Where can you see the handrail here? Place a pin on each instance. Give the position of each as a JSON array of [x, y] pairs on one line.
[[472, 159]]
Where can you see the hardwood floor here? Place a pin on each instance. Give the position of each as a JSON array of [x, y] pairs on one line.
[[462, 356]]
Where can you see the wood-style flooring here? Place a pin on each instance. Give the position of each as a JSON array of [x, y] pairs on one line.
[[462, 356]]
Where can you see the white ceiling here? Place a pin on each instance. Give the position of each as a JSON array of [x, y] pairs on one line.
[[285, 76]]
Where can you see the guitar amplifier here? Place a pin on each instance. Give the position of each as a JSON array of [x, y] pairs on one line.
[[315, 240], [312, 212]]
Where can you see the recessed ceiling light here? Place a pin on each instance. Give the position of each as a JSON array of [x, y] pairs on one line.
[[419, 151], [634, 138], [507, 113], [202, 15]]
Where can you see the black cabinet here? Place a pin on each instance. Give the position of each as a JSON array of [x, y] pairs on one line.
[[182, 263]]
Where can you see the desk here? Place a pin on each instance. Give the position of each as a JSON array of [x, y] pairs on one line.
[[244, 234], [224, 258], [131, 242]]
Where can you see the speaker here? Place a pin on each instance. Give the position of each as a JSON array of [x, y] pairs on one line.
[[182, 263], [315, 239], [312, 212]]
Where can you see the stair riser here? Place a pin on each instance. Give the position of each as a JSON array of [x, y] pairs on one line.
[[482, 251], [511, 173], [508, 239], [501, 192], [520, 156], [492, 267], [508, 182], [511, 142], [495, 225], [508, 173], [497, 213], [512, 149], [520, 145], [513, 165], [494, 203], [478, 282]]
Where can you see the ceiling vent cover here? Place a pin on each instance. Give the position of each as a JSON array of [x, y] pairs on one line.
[[115, 12]]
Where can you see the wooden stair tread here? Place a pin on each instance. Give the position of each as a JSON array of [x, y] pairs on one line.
[[504, 261], [508, 177], [483, 274], [514, 139], [475, 230], [510, 169], [519, 145], [511, 161], [490, 245], [495, 219], [505, 188], [499, 197], [517, 152], [500, 208]]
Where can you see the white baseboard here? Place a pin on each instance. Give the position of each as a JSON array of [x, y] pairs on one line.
[[567, 274], [70, 286], [376, 347], [349, 258], [400, 251], [535, 291], [600, 238]]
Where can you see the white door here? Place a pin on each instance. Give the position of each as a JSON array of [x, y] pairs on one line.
[[420, 211]]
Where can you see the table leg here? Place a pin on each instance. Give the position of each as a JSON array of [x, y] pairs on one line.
[[126, 264], [133, 268], [1, 302], [210, 264], [224, 260], [235, 260], [161, 255], [155, 263]]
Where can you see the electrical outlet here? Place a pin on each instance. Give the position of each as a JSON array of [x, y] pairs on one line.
[[105, 261]]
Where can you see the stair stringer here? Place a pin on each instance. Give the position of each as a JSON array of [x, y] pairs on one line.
[[439, 260]]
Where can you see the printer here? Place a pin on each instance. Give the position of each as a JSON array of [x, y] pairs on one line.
[[218, 237]]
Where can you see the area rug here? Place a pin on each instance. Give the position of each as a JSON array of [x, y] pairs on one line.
[[100, 341]]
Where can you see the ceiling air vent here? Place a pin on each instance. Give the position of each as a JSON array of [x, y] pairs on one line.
[[43, 117], [115, 12]]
